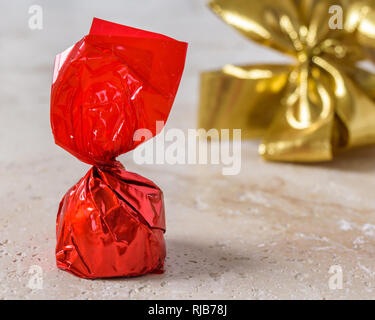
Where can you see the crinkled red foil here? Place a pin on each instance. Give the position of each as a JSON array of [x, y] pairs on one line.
[[114, 81]]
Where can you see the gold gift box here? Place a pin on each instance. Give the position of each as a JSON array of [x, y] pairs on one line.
[[307, 111]]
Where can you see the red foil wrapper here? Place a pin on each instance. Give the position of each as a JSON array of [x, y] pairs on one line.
[[111, 83]]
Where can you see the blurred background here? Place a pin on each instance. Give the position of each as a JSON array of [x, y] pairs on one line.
[[27, 57], [274, 231]]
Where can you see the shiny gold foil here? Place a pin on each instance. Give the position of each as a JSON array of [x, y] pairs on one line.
[[307, 111]]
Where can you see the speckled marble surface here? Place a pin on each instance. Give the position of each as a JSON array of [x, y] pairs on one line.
[[273, 231]]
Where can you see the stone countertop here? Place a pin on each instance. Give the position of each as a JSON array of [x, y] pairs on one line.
[[273, 231]]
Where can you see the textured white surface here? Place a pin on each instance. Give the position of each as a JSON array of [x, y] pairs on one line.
[[271, 232]]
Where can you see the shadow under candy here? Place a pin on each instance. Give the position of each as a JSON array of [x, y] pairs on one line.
[[188, 260]]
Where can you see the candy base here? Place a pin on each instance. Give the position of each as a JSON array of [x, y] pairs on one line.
[[111, 224]]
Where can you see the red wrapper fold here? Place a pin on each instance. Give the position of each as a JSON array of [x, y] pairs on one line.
[[111, 83]]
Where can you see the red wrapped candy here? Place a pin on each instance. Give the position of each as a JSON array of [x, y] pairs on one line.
[[112, 82]]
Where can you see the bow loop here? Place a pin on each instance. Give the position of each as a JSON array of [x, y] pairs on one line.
[[266, 21]]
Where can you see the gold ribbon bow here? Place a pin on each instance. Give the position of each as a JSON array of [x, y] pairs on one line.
[[307, 111]]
